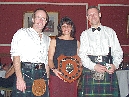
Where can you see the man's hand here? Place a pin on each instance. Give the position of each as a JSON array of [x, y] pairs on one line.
[[112, 69], [20, 84], [100, 68]]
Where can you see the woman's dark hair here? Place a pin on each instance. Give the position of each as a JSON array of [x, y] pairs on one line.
[[68, 21]]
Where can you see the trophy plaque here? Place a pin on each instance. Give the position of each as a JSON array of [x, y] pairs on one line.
[[70, 67]]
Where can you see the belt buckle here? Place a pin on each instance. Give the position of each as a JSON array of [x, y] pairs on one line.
[[98, 59], [38, 66]]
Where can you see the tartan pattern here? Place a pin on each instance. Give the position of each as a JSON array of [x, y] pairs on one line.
[[88, 87], [34, 74]]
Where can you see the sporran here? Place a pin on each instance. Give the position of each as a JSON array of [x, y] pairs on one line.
[[39, 87]]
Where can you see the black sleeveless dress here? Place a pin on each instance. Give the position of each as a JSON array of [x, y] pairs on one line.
[[64, 47], [59, 88]]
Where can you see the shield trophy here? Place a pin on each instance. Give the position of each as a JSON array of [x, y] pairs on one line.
[[70, 67]]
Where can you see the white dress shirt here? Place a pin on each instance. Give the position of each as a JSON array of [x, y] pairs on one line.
[[97, 43], [27, 44]]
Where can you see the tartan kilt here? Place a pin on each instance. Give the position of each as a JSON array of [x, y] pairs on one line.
[[34, 74], [88, 87]]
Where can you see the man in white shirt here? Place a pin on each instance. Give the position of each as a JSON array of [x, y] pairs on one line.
[[29, 50], [100, 77]]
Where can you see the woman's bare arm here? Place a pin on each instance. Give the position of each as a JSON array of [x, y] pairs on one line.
[[10, 72]]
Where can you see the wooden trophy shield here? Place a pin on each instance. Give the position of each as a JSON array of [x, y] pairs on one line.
[[70, 67]]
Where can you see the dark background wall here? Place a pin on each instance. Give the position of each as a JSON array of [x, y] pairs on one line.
[[12, 12]]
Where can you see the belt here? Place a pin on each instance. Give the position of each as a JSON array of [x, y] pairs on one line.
[[30, 65], [99, 59]]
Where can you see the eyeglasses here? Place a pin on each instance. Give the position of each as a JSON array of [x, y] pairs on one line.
[[40, 18]]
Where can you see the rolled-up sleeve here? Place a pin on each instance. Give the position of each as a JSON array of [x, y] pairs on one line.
[[15, 47]]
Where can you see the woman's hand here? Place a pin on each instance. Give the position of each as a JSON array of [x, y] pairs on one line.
[[57, 73]]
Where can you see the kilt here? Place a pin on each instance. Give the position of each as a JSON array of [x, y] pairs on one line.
[[59, 88], [88, 87], [29, 75]]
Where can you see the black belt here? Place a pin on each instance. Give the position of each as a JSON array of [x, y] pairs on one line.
[[30, 65], [99, 59]]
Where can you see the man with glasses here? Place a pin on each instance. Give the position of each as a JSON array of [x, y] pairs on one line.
[[29, 50]]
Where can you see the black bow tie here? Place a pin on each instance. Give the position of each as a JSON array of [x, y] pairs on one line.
[[93, 29]]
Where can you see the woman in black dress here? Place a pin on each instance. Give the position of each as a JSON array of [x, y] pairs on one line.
[[64, 44]]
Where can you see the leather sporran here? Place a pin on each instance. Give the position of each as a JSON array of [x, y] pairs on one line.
[[39, 87], [70, 67]]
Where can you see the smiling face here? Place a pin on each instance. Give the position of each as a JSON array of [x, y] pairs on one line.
[[66, 29], [94, 17], [39, 20]]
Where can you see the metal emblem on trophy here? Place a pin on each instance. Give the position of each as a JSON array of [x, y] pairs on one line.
[[70, 67]]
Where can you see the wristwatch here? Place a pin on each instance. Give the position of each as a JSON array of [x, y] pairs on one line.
[[53, 68]]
